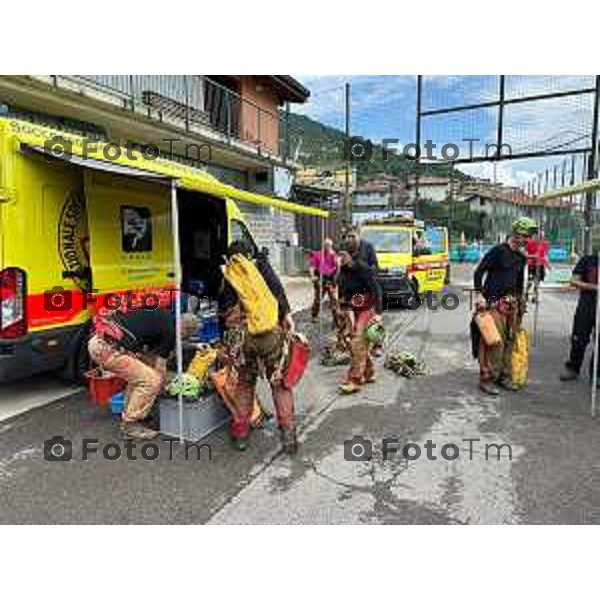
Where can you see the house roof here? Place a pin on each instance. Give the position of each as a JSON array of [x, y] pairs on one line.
[[289, 89]]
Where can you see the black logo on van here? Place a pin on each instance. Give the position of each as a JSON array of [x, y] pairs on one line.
[[73, 240]]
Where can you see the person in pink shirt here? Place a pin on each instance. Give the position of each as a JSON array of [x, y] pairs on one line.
[[323, 266]]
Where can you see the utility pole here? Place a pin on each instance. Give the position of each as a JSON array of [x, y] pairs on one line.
[[418, 143], [590, 196], [347, 212]]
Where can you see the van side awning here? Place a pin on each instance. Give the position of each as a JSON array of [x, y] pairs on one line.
[[97, 165], [33, 139]]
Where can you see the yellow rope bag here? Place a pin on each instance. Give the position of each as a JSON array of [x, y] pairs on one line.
[[260, 306]]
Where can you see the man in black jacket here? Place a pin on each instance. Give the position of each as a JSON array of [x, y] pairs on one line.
[[585, 279], [360, 303], [361, 249], [502, 293]]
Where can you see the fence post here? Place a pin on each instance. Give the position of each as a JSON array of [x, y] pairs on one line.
[[286, 139], [228, 114], [132, 92], [258, 131], [187, 102]]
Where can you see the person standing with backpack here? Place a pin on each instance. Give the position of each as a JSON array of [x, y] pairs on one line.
[[256, 313]]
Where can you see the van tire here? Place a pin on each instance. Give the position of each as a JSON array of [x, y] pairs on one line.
[[78, 359]]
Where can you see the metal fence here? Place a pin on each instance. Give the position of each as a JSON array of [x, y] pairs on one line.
[[549, 119], [198, 101]]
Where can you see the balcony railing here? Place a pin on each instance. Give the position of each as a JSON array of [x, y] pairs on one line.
[[195, 102]]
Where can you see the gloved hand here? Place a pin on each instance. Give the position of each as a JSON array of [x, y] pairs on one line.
[[288, 323]]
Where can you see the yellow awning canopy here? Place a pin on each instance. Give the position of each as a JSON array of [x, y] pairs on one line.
[[586, 186], [42, 139]]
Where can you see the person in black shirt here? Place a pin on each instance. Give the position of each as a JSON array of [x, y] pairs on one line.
[[584, 278], [360, 303], [259, 353], [501, 293], [135, 346], [361, 249]]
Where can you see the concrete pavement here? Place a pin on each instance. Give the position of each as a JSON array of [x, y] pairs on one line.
[[553, 477]]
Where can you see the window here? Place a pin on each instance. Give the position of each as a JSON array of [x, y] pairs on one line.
[[239, 232], [388, 240], [136, 229]]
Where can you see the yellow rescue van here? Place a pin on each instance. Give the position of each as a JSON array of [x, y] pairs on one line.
[[78, 233], [413, 258]]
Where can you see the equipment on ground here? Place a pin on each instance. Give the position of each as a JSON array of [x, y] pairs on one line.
[[405, 364]]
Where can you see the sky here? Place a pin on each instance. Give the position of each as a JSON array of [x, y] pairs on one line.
[[385, 107]]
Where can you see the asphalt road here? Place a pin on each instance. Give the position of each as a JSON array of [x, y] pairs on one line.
[[553, 477]]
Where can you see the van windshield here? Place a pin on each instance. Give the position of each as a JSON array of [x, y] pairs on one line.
[[388, 240]]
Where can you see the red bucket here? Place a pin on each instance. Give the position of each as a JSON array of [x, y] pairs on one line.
[[103, 386]]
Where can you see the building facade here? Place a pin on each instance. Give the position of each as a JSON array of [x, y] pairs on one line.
[[231, 126]]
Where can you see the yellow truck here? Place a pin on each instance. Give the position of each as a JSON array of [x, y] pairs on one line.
[[413, 258], [80, 233]]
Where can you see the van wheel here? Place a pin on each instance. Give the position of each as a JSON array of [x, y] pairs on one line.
[[78, 361]]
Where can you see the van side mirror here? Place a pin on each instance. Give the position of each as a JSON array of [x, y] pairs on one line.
[[264, 251]]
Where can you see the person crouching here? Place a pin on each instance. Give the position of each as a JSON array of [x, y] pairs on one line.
[[361, 303], [136, 346]]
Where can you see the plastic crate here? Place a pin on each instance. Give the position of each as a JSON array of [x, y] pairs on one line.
[[200, 418]]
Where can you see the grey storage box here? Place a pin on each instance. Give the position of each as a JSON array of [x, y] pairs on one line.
[[200, 418]]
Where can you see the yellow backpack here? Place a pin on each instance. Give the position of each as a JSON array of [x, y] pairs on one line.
[[260, 306], [520, 358]]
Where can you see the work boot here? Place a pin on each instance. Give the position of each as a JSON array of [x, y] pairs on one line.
[[489, 387], [136, 431], [349, 388], [569, 375], [371, 378], [289, 441], [239, 443], [507, 384]]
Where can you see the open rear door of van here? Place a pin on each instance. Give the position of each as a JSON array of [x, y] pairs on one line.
[[131, 246]]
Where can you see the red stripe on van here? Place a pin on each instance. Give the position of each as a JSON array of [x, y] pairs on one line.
[[56, 307]]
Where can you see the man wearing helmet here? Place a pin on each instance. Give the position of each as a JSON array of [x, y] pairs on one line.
[[499, 282]]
